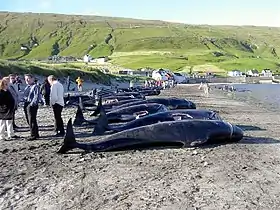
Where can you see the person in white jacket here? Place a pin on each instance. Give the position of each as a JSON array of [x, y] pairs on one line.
[[57, 103]]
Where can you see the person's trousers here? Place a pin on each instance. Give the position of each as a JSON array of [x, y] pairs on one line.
[[31, 118], [6, 124], [14, 123], [47, 100], [68, 86], [58, 125]]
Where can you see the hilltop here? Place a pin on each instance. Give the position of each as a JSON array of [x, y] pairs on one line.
[[135, 43]]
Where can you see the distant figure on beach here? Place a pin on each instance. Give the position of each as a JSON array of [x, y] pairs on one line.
[[18, 82], [46, 91], [68, 83], [79, 82], [131, 84], [205, 87]]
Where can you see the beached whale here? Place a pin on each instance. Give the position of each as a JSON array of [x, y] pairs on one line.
[[118, 98], [171, 103], [122, 115], [106, 93], [103, 125], [135, 94], [145, 91], [183, 133], [109, 106], [76, 99]]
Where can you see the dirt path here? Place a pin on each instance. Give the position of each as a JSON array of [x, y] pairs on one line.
[[237, 176]]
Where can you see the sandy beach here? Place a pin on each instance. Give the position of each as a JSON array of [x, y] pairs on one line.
[[244, 175]]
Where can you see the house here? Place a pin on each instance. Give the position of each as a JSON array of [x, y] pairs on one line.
[[235, 73], [266, 73], [23, 48], [87, 58], [127, 72], [253, 73], [101, 60]]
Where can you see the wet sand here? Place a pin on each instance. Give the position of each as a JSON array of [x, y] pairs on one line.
[[245, 175]]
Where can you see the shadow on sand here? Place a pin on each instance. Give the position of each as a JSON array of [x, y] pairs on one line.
[[258, 140], [250, 128], [41, 128]]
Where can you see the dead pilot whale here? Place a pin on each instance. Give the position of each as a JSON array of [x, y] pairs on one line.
[[103, 125], [184, 133], [121, 115], [171, 103]]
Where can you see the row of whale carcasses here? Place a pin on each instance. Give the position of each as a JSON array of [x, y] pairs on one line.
[[153, 122]]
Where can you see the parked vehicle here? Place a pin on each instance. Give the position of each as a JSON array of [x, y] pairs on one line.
[[179, 78]]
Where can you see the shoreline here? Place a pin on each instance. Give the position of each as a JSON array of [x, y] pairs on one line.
[[233, 176]]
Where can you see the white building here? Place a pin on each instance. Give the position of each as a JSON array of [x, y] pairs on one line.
[[127, 72], [253, 73], [235, 73], [101, 60], [87, 58], [266, 73], [23, 48]]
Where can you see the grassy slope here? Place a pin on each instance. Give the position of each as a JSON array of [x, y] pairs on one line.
[[60, 70], [138, 43]]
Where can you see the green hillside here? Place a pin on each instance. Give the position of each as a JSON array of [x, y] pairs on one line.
[[138, 43]]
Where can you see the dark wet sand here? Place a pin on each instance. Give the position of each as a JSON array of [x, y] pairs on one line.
[[238, 176]]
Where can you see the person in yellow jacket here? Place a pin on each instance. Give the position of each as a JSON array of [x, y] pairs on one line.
[[79, 82]]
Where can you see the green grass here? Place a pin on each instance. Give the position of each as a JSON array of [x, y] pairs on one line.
[[139, 43], [63, 70], [59, 70]]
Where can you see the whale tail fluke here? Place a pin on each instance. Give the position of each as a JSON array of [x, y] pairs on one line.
[[69, 139], [97, 111], [102, 123]]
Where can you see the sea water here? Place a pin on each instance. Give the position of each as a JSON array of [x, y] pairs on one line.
[[265, 95]]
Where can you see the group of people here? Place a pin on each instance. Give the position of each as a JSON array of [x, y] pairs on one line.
[[31, 96], [160, 83]]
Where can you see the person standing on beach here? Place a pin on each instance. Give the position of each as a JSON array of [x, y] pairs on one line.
[[46, 91], [68, 83], [57, 102], [79, 82], [31, 99], [18, 81], [12, 87], [7, 104]]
